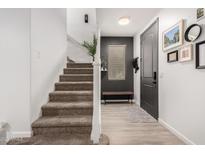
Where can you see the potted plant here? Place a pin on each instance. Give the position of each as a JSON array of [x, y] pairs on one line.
[[91, 47]]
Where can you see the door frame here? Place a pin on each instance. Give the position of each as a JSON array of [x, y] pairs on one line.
[[155, 21]]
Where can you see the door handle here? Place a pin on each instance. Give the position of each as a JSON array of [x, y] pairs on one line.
[[154, 82], [154, 78], [146, 85]]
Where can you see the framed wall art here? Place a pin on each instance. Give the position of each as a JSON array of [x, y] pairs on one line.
[[173, 37], [200, 55], [172, 56], [193, 32], [116, 62], [199, 13], [185, 53]]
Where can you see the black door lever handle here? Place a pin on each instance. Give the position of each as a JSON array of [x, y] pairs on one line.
[[154, 78], [154, 82]]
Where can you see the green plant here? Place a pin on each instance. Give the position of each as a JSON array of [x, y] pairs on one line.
[[91, 47]]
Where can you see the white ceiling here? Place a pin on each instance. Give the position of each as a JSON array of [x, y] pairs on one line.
[[139, 17]]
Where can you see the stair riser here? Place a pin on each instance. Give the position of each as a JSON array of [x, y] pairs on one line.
[[73, 65], [78, 71], [63, 112], [70, 98], [76, 78], [60, 130], [71, 87]]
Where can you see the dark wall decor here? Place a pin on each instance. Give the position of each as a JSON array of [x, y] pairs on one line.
[[172, 56], [200, 55], [135, 64], [86, 18], [117, 85], [103, 66], [193, 32]]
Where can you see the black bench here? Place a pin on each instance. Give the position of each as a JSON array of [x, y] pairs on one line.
[[117, 95]]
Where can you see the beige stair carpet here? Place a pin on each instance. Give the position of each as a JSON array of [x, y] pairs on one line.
[[67, 117]]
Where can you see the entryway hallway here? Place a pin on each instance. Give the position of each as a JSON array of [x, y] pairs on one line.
[[128, 124], [140, 54]]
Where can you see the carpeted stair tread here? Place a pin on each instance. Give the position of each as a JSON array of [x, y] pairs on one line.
[[65, 86], [78, 70], [63, 121], [83, 68], [59, 139], [87, 92], [79, 65], [84, 63], [76, 77], [65, 105], [64, 108], [73, 82], [71, 96]]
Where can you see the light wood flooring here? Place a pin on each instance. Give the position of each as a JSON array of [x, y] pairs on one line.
[[121, 131]]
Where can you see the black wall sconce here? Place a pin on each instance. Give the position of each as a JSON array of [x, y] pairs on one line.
[[86, 18]]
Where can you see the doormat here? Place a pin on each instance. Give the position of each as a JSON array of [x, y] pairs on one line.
[[138, 115]]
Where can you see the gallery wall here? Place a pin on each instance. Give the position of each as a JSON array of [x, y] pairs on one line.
[[181, 86]]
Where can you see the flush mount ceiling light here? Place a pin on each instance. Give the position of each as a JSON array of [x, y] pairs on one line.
[[124, 20]]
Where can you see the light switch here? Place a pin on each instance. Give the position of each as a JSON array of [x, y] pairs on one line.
[[37, 54]]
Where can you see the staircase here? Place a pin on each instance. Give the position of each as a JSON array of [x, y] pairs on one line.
[[67, 117], [70, 107]]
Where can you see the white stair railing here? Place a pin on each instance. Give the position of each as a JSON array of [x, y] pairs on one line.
[[96, 121]]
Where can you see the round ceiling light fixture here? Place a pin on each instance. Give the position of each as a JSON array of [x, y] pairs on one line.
[[124, 20]]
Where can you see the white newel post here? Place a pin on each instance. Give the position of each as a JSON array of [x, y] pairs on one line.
[[96, 121]]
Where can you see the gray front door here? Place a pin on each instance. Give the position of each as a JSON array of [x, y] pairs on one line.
[[149, 70]]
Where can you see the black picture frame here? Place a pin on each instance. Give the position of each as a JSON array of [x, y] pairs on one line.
[[197, 46], [186, 34], [170, 53]]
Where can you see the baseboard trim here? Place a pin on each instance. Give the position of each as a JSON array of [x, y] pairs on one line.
[[11, 135], [175, 132], [137, 102]]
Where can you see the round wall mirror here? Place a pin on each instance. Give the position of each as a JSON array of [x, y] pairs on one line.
[[192, 32]]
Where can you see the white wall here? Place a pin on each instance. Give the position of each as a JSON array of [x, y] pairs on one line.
[[137, 75], [15, 70], [77, 53], [181, 86], [48, 54], [80, 31], [77, 28], [33, 48], [33, 53]]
